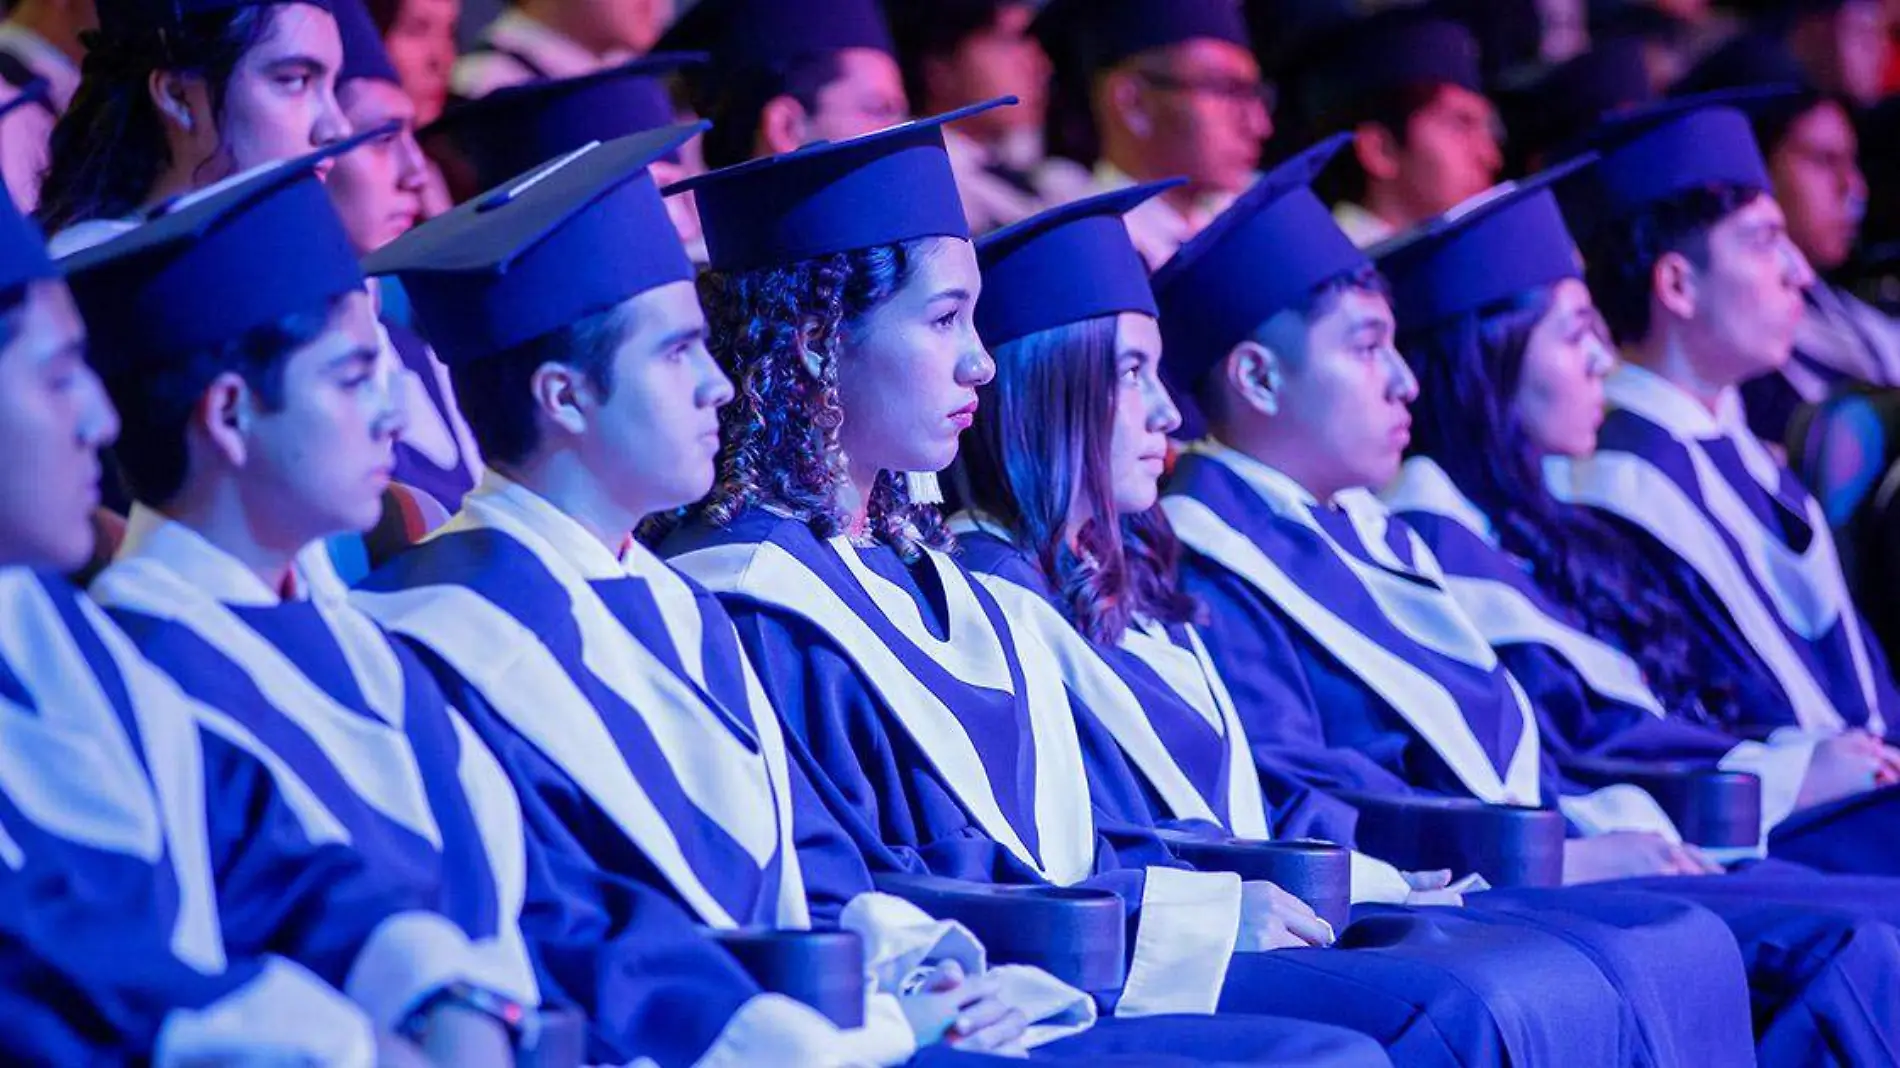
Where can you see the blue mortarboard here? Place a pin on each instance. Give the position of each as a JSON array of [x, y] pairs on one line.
[[1098, 34], [134, 16], [364, 55], [1264, 254], [575, 238], [1380, 53], [512, 131], [1497, 245], [1066, 265], [225, 261], [1653, 153], [23, 255], [1561, 104], [834, 196], [755, 35]]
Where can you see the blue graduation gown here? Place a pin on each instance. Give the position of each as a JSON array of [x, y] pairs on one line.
[[1166, 706], [319, 688], [1344, 610], [446, 469], [1753, 565], [108, 922], [884, 764], [643, 746]]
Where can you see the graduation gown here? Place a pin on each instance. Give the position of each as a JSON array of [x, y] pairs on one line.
[[108, 915], [319, 688], [645, 747], [1334, 629], [1158, 696], [948, 745], [436, 453], [1753, 565]]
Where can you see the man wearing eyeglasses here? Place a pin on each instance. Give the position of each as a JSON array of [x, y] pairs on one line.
[[1409, 88], [1174, 90]]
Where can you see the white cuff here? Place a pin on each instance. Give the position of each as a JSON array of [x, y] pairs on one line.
[[1189, 923], [285, 1015], [407, 957], [1621, 807], [1782, 766], [1374, 882]]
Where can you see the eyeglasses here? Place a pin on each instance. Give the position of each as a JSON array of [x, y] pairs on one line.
[[1232, 90]]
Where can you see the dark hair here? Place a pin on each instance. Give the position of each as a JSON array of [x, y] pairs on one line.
[[1620, 257], [1049, 416], [156, 399], [493, 392], [935, 30], [384, 13], [1464, 419], [736, 102], [109, 147], [1311, 308], [1393, 109], [779, 436]]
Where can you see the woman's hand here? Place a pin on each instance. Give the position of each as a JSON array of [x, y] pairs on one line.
[[1271, 918], [1631, 855]]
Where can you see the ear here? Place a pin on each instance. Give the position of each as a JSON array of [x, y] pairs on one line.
[[808, 354], [178, 98], [1253, 373], [1672, 284], [1376, 150], [783, 125], [563, 396], [1126, 100], [223, 416]]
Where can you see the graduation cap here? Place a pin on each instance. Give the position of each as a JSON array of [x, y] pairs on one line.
[[758, 35], [1398, 47], [1653, 153], [1066, 265], [1271, 248], [514, 130], [1498, 244], [364, 55], [1099, 34], [117, 17], [23, 257], [220, 263], [573, 239], [834, 196], [1553, 108]]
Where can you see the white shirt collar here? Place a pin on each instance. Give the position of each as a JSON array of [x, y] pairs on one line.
[[60, 72], [150, 535], [1661, 401], [1279, 488], [1361, 226], [579, 547]]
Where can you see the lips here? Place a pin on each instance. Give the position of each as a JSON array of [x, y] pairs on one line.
[[965, 416]]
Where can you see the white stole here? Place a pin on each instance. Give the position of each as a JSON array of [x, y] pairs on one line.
[[1431, 619]]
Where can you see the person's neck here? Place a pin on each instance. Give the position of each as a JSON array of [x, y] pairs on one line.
[[854, 499], [218, 515], [1288, 457], [54, 23], [1390, 206], [1125, 157], [1665, 356], [176, 181], [559, 478], [566, 19]]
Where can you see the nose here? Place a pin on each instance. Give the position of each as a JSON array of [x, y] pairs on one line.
[[977, 368], [1404, 387], [413, 170], [1259, 121], [394, 417], [330, 126], [718, 391], [1797, 270], [1164, 417], [101, 427]]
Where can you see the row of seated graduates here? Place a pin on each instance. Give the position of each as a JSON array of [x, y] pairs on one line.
[[1546, 855]]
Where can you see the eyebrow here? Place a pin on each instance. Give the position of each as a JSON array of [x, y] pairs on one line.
[[681, 337], [954, 293], [360, 354], [308, 63]]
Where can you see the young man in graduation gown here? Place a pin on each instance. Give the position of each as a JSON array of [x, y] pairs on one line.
[[936, 728], [1348, 660], [1166, 88], [1689, 259], [106, 916], [379, 191]]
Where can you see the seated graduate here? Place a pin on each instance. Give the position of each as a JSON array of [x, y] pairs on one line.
[[106, 919], [378, 192], [1345, 656], [1512, 355], [614, 690], [1065, 534], [887, 670], [1689, 259], [176, 96], [259, 419]]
